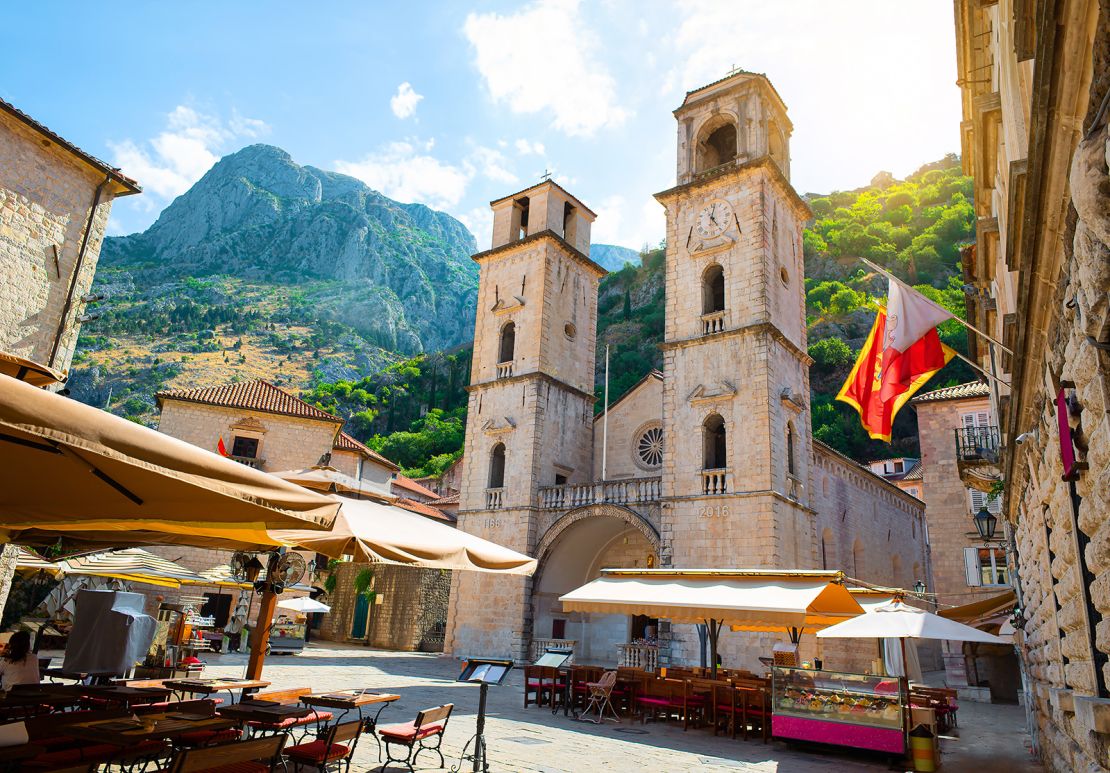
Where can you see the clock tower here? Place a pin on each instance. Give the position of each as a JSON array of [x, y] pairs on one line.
[[736, 370]]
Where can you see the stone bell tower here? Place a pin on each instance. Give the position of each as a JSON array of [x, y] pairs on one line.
[[736, 369], [530, 412]]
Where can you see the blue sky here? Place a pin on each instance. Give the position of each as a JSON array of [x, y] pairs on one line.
[[454, 104]]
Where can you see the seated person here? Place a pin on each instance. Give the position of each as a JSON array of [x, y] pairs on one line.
[[19, 665]]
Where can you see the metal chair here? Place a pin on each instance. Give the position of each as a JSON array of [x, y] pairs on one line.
[[601, 694]]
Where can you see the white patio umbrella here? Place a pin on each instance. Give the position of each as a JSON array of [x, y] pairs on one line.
[[304, 604]]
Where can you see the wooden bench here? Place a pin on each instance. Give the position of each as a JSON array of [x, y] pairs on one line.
[[429, 723]]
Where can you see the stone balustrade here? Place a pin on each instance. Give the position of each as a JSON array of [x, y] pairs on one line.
[[630, 491], [540, 646], [645, 656], [714, 322], [505, 369], [715, 481], [494, 498], [249, 461]]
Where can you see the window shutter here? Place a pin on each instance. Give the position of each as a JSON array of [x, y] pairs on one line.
[[982, 419], [968, 420], [978, 499], [971, 567]]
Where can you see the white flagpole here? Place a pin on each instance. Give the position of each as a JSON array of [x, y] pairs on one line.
[[935, 305], [605, 421]]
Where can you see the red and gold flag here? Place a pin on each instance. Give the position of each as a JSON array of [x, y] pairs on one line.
[[881, 382], [221, 449]]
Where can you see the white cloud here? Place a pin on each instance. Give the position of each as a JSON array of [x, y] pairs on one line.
[[492, 164], [526, 148], [542, 59], [168, 164], [479, 221], [403, 103], [405, 172], [625, 225]]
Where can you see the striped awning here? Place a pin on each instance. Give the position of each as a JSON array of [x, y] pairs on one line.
[[131, 564]]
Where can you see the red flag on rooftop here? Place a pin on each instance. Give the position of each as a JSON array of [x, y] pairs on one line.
[[221, 449]]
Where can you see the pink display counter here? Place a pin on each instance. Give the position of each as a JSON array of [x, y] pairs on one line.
[[855, 710]]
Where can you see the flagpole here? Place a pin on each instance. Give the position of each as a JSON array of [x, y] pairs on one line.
[[605, 421], [981, 370], [936, 305]]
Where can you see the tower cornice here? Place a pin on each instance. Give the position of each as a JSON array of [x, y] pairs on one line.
[[767, 328], [533, 376], [540, 236], [736, 169]]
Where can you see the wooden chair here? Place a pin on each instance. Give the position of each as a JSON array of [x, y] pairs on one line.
[[258, 755], [730, 708], [195, 738], [290, 697], [65, 751], [544, 682], [429, 723], [335, 748], [757, 712]]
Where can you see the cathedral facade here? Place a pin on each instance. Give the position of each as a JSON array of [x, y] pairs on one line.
[[707, 464]]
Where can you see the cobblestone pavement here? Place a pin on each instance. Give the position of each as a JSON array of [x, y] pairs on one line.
[[519, 739]]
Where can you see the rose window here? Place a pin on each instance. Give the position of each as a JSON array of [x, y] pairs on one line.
[[650, 447]]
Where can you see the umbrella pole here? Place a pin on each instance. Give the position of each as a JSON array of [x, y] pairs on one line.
[[905, 679], [260, 634], [714, 627]]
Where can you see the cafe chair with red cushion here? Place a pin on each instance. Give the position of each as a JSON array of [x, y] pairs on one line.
[[336, 747], [258, 755], [413, 736], [205, 707]]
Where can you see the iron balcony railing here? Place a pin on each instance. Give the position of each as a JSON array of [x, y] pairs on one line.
[[977, 445]]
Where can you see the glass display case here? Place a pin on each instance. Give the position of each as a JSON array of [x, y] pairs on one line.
[[859, 710], [287, 636]]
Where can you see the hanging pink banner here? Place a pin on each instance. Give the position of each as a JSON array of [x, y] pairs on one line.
[[1067, 447]]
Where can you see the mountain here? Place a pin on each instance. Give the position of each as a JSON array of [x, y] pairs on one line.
[[399, 274], [613, 258], [269, 269]]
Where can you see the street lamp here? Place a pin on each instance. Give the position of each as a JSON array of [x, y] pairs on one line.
[[985, 523], [919, 588]]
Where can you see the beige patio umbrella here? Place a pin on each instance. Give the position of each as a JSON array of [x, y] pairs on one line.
[[745, 600], [333, 481], [67, 468], [29, 561], [370, 531], [29, 371], [130, 565]]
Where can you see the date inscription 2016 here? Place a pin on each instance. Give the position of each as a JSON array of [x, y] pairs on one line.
[[714, 511]]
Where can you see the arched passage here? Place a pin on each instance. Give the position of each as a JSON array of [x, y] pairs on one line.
[[573, 552]]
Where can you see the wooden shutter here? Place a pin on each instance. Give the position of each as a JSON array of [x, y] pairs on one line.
[[978, 500], [971, 567]]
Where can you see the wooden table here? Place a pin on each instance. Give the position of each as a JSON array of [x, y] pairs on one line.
[[151, 727], [212, 686], [24, 702], [266, 712], [129, 696], [61, 673], [346, 701]]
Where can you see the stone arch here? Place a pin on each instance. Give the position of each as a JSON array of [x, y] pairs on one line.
[[571, 517], [717, 141]]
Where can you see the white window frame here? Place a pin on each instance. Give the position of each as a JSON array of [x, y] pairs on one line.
[[976, 499], [973, 567]]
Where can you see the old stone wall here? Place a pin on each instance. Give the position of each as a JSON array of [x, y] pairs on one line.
[[637, 412], [285, 442], [45, 196]]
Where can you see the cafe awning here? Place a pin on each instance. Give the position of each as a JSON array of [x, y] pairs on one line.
[[29, 371], [68, 469], [333, 481], [131, 565], [745, 600], [983, 609]]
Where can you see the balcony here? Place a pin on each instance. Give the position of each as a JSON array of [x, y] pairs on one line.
[[645, 656], [794, 488], [494, 498], [250, 461], [715, 481], [540, 646], [632, 491], [713, 322], [505, 369], [977, 455]]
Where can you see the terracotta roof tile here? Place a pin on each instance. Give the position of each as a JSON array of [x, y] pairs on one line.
[[410, 485], [424, 509], [453, 499], [916, 472], [344, 442], [958, 392], [249, 395], [130, 185]]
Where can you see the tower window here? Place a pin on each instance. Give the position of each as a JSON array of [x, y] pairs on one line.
[[713, 290], [570, 222], [508, 343], [497, 466], [716, 447], [717, 144], [791, 463], [520, 227]]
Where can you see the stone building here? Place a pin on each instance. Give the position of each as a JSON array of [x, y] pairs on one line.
[[271, 430], [902, 471], [1035, 80], [54, 204], [707, 464], [55, 200], [954, 431]]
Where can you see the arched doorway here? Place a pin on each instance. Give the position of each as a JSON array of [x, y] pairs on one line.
[[574, 551]]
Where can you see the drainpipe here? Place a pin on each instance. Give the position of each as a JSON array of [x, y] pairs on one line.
[[76, 271]]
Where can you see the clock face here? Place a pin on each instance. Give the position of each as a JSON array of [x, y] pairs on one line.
[[713, 219]]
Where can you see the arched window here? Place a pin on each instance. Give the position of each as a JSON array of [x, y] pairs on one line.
[[717, 144], [791, 461], [713, 290], [828, 554], [508, 343], [497, 466], [716, 447]]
